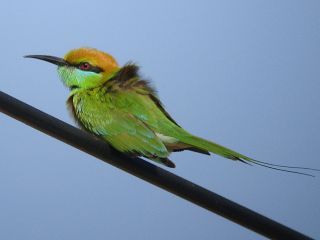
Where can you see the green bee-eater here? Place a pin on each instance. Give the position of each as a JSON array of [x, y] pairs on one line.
[[115, 104]]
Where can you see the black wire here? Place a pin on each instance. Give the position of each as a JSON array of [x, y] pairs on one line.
[[146, 171]]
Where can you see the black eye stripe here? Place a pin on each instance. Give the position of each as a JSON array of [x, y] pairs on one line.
[[95, 69], [90, 69]]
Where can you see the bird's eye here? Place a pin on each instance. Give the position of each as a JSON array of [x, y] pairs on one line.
[[84, 66]]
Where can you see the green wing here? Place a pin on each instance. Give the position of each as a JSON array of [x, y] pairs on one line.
[[134, 97], [147, 108], [128, 134]]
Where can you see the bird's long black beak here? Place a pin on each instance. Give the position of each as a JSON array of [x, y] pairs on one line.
[[50, 59]]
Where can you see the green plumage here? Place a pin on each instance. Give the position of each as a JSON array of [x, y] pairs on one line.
[[126, 112]]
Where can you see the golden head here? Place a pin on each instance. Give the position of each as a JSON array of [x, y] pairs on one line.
[[83, 68], [93, 57]]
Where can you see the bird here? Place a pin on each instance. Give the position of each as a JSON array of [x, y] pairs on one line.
[[123, 109]]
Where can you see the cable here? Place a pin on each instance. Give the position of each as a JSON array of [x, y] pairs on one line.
[[145, 170]]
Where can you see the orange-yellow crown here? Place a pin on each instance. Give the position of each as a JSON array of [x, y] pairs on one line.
[[94, 57]]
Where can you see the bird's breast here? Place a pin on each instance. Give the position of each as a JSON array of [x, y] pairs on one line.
[[90, 109]]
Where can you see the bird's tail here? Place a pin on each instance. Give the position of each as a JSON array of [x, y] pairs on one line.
[[212, 147]]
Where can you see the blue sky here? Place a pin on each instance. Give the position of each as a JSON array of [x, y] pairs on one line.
[[242, 73]]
